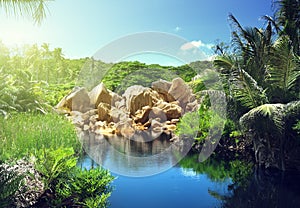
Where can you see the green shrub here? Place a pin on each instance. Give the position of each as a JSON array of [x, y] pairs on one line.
[[53, 163], [201, 124], [197, 85], [231, 130], [88, 188]]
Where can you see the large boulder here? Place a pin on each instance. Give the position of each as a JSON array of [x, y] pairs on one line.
[[162, 87], [115, 98], [118, 115], [125, 129], [77, 100], [104, 112], [181, 93], [148, 113], [170, 110], [100, 94], [136, 97]]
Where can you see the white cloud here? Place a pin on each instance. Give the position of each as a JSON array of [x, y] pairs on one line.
[[195, 44], [196, 50]]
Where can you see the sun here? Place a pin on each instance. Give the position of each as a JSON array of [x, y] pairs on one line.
[[16, 32]]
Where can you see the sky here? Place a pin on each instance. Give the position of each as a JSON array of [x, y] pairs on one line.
[[81, 27]]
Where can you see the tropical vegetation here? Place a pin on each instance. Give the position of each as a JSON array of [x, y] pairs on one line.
[[259, 74]]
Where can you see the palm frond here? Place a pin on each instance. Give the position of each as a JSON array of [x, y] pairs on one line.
[[246, 90], [273, 22], [225, 63], [36, 9], [271, 115], [284, 66]]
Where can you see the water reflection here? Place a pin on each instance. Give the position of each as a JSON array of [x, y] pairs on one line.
[[219, 183], [138, 156], [265, 189], [213, 183], [247, 185]]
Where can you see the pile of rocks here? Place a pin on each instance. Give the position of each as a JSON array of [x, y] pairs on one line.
[[156, 109]]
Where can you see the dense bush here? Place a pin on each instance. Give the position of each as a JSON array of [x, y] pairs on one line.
[[88, 188], [70, 185], [202, 124]]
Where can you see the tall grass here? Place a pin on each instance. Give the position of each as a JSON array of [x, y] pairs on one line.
[[24, 134]]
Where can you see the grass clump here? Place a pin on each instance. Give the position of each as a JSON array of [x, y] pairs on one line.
[[24, 134]]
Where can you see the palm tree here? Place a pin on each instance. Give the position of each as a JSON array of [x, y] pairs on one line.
[[260, 72], [244, 72], [253, 45], [287, 17], [36, 9]]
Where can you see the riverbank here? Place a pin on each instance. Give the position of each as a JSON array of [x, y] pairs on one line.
[[38, 157]]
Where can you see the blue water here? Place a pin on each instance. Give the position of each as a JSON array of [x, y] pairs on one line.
[[157, 183], [176, 187]]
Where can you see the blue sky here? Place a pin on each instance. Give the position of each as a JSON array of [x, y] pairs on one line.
[[81, 27]]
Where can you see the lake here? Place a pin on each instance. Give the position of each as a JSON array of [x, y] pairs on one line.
[[144, 180]]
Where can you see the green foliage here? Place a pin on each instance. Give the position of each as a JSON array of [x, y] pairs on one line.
[[143, 77], [124, 74], [268, 118], [296, 127], [52, 163], [205, 116], [10, 182], [23, 134], [188, 125], [287, 17], [240, 171], [230, 129], [200, 124], [35, 78], [235, 134], [186, 72], [53, 93], [261, 73], [197, 85], [89, 188], [19, 93], [284, 72]]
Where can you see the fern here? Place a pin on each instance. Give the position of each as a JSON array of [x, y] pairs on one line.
[[52, 163]]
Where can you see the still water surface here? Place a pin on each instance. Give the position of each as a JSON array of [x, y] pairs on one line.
[[213, 183]]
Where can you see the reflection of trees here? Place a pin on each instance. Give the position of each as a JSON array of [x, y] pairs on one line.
[[263, 190], [258, 188], [219, 170]]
